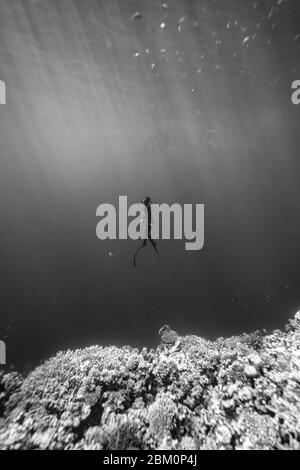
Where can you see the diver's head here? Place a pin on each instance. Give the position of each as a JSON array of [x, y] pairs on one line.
[[146, 200]]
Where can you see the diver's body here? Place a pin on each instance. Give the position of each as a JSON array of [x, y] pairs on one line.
[[147, 202]]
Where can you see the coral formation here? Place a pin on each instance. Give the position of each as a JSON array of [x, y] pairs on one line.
[[188, 394]]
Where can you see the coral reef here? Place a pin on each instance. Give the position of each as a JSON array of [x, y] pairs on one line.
[[188, 394]]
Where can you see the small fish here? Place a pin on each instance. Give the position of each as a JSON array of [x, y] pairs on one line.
[[136, 16]]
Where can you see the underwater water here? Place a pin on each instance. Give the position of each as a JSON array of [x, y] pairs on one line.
[[187, 101]]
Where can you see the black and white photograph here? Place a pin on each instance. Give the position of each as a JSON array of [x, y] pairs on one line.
[[150, 227]]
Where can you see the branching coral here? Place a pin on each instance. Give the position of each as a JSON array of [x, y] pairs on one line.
[[189, 393]]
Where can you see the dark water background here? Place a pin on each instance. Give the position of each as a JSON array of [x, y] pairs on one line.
[[189, 102]]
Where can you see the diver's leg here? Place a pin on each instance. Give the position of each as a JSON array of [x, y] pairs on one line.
[[138, 250], [154, 244]]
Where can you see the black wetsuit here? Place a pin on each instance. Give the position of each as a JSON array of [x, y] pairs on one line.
[[147, 202]]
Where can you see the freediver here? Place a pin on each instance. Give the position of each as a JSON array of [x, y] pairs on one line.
[[147, 203]]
